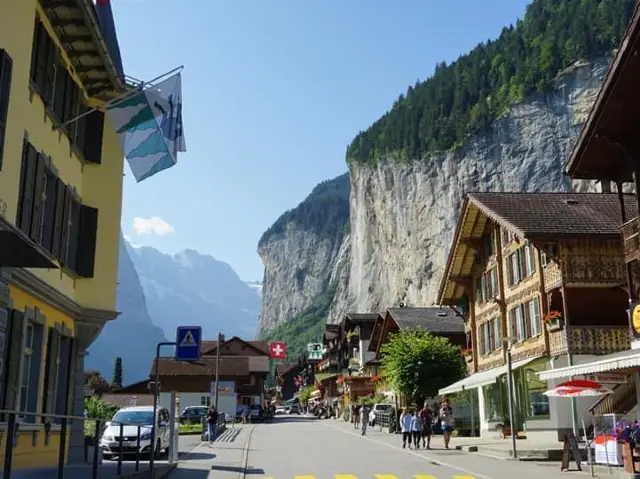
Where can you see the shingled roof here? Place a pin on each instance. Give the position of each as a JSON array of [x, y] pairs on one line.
[[435, 320], [556, 214], [229, 366], [209, 347]]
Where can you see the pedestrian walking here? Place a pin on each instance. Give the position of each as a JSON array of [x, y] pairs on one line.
[[426, 415], [212, 424], [405, 427], [364, 414], [416, 430], [446, 420], [356, 416]]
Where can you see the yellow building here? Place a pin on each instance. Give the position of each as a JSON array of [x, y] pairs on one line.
[[60, 203]]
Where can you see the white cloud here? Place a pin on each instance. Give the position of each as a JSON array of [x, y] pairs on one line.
[[151, 226]]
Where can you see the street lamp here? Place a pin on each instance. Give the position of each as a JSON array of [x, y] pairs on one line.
[[507, 346]]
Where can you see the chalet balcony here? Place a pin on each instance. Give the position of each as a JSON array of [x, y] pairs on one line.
[[595, 340], [631, 239]]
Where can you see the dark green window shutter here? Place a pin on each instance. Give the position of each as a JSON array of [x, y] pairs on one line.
[[6, 68], [28, 177], [61, 189], [74, 228], [87, 238], [49, 212], [64, 370], [38, 198], [64, 235], [59, 90], [40, 53], [50, 70], [5, 331], [17, 336], [93, 137], [81, 127], [51, 371]]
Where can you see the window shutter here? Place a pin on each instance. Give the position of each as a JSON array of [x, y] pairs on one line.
[[532, 258], [87, 238], [58, 218], [29, 166], [526, 312], [74, 228], [93, 137], [81, 126], [49, 211], [481, 339], [51, 381], [492, 338], [510, 270], [535, 316], [499, 336], [520, 323], [50, 70], [17, 336], [38, 197], [522, 264], [70, 100], [6, 69], [40, 60], [64, 234], [513, 326], [59, 90]]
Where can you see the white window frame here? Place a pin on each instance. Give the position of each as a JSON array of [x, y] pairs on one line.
[[521, 327], [534, 316], [497, 333]]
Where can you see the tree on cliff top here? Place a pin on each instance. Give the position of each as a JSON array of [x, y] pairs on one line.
[[466, 96], [418, 364]]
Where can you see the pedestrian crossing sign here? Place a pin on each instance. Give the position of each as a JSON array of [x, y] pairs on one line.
[[188, 339]]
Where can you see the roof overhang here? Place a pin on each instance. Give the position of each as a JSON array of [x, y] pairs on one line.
[[462, 255], [75, 22], [17, 250], [611, 133]]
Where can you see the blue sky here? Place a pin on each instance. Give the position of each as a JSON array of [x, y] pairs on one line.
[[273, 93]]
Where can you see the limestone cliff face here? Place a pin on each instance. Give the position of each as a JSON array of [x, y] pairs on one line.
[[301, 251], [403, 215]]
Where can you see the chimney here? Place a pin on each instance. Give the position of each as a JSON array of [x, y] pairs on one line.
[[604, 186]]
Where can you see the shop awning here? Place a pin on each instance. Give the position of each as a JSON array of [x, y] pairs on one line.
[[483, 378], [610, 362], [18, 251]]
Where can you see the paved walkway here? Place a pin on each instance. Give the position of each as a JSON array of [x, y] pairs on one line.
[[226, 459]]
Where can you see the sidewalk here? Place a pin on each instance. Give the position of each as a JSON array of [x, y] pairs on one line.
[[225, 460], [478, 463]]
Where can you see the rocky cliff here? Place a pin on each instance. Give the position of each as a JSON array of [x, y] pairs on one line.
[[402, 215], [300, 252]]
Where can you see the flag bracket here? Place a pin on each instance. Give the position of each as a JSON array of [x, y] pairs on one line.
[[138, 89]]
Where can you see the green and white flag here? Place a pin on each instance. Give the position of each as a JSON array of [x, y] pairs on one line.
[[149, 127]]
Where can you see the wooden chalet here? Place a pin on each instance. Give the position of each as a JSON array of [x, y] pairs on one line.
[[516, 258], [608, 150]]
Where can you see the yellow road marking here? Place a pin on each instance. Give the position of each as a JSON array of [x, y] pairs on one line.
[[386, 476], [463, 477], [345, 476], [424, 476]]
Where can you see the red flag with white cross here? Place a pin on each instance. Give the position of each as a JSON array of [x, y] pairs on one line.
[[278, 350]]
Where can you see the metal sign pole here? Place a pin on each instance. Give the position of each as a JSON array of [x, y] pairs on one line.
[[156, 392]]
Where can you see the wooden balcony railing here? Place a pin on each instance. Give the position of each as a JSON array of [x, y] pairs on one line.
[[631, 239], [589, 340]]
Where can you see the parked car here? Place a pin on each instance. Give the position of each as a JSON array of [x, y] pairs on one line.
[[256, 412], [281, 410], [377, 409], [293, 409], [193, 414], [131, 418]]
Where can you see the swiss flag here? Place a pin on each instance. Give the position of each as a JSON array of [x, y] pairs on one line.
[[278, 350]]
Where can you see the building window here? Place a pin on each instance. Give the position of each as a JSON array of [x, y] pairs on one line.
[[205, 400], [548, 251], [537, 403], [490, 335], [6, 69], [30, 368], [520, 264], [63, 98], [525, 320], [490, 242], [53, 216], [487, 286], [64, 386], [493, 402]]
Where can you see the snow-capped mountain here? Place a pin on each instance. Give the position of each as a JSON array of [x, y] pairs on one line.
[[190, 288]]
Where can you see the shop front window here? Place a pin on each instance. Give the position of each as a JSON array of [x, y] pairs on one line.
[[493, 402], [537, 402]]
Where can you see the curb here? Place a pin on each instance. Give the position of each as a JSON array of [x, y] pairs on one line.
[[245, 453], [158, 472]]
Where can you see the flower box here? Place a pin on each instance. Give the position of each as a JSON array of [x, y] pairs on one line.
[[554, 321]]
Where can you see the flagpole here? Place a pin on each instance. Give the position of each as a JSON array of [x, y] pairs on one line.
[[125, 95]]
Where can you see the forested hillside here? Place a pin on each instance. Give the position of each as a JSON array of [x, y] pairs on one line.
[[465, 96], [324, 212]]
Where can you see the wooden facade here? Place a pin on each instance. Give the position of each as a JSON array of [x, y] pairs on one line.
[[506, 279]]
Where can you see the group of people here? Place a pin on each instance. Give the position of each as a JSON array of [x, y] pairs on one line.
[[419, 425]]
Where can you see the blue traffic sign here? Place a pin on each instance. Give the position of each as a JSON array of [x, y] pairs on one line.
[[188, 343]]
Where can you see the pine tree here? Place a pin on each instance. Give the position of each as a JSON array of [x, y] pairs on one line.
[[117, 374]]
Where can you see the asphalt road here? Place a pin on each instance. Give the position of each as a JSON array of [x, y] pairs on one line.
[[304, 449]]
